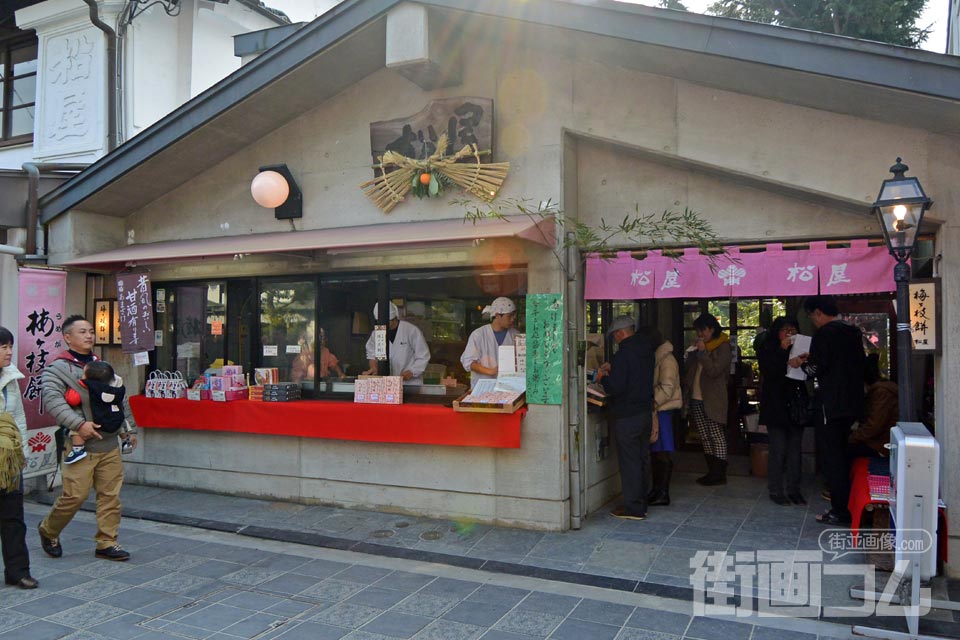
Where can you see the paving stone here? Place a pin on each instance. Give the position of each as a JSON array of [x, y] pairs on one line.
[[212, 568], [574, 629], [604, 612], [86, 615], [13, 619], [255, 625], [177, 583], [347, 615], [40, 630], [251, 601], [630, 633], [251, 576], [289, 583], [311, 631], [41, 607], [714, 629], [425, 604], [121, 628], [377, 597], [331, 589], [404, 581], [549, 603], [498, 595], [449, 630], [95, 589], [396, 625], [451, 587], [531, 623], [659, 620], [135, 598], [320, 568], [361, 574], [483, 614], [216, 617]]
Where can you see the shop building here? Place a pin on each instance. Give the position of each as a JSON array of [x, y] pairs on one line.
[[772, 135]]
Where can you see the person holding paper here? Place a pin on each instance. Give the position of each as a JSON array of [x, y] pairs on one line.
[[481, 357], [628, 380], [783, 403], [409, 353], [836, 360]]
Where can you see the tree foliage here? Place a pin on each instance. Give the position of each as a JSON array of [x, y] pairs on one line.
[[890, 21]]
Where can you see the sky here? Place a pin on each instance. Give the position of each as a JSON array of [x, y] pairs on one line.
[[935, 14]]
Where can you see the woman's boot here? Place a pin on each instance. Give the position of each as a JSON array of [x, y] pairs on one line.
[[662, 469], [716, 474]]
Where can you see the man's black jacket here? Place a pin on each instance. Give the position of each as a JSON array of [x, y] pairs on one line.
[[837, 361], [630, 383]]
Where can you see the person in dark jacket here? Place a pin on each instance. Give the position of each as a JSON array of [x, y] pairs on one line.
[[881, 412], [836, 362], [628, 380], [777, 393]]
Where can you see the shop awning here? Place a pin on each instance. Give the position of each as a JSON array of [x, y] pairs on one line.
[[372, 237], [858, 268]]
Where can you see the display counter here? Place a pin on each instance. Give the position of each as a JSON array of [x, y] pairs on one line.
[[404, 423]]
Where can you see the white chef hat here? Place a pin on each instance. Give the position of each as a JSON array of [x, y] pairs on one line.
[[499, 306], [394, 312]]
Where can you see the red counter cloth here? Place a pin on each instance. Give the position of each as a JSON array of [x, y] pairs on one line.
[[407, 423]]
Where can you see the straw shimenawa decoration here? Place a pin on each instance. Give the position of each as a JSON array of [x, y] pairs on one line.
[[399, 174]]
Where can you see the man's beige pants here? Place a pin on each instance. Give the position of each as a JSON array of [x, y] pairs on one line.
[[102, 472]]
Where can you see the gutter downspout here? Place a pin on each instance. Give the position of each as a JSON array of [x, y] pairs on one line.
[[10, 250], [33, 170], [111, 73], [575, 393]]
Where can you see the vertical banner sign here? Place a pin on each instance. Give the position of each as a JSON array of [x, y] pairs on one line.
[[924, 315], [39, 341], [136, 312], [545, 348]]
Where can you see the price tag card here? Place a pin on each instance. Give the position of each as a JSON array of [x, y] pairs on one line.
[[141, 358], [269, 349], [293, 348], [380, 342]]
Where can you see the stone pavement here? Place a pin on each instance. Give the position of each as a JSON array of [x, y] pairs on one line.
[[622, 562], [186, 582]]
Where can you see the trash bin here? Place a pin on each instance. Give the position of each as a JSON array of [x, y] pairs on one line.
[[759, 455]]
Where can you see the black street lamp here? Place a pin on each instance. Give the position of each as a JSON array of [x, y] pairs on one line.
[[900, 208]]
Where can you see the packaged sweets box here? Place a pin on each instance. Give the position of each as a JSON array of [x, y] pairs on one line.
[[379, 390], [266, 375], [281, 386]]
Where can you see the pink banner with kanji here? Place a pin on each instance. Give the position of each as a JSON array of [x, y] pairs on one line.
[[773, 272], [42, 295], [620, 278]]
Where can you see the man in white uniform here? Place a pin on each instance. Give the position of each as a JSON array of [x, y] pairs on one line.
[[480, 357], [409, 353]]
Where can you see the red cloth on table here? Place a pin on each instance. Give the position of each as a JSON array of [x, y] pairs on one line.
[[336, 420]]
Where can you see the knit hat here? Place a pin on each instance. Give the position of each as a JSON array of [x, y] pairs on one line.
[[621, 322], [499, 306]]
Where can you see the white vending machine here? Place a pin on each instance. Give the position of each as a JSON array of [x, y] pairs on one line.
[[914, 494]]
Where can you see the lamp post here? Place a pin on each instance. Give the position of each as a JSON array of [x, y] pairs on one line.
[[900, 208]]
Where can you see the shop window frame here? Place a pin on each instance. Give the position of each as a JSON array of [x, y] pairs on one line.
[[7, 82]]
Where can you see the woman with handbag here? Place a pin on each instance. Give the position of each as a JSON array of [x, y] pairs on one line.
[[13, 443], [785, 410]]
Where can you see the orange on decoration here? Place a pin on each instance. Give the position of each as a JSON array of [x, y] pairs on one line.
[[425, 179]]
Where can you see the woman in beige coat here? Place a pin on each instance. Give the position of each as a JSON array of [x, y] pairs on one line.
[[666, 397], [708, 371]]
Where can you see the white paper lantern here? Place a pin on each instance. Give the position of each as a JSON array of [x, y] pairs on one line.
[[269, 189]]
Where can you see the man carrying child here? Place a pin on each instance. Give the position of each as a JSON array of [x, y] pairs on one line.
[[106, 392], [100, 468]]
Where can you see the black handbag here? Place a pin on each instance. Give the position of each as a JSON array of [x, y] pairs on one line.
[[799, 410]]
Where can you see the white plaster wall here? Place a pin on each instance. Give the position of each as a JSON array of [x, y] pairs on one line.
[[14, 157]]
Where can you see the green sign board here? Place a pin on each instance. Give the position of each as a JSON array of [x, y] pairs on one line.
[[544, 348]]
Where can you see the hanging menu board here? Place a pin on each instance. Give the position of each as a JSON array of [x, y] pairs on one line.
[[136, 312], [544, 347]]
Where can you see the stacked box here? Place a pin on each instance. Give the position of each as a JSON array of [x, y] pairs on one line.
[[379, 390], [281, 392], [230, 370], [256, 393]]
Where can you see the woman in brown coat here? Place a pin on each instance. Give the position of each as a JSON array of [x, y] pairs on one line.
[[708, 370]]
